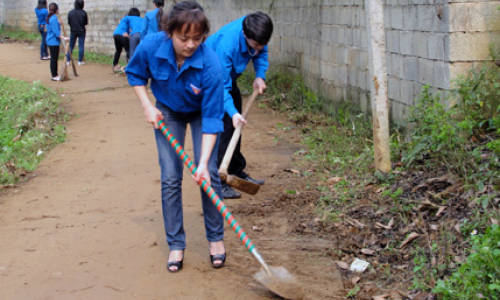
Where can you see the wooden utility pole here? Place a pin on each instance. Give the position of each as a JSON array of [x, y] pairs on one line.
[[378, 74]]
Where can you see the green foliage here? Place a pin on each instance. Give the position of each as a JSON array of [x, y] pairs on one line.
[[99, 58], [452, 137], [479, 276], [32, 123], [337, 137], [18, 34]]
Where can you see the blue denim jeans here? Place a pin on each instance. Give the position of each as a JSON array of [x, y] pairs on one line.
[[134, 40], [81, 45], [171, 167], [44, 52]]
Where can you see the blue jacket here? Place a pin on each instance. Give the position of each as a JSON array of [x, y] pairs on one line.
[[149, 25], [123, 26], [230, 45], [196, 87], [135, 24], [53, 32], [41, 15]]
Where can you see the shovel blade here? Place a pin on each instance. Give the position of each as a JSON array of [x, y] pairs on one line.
[[280, 282], [242, 184]]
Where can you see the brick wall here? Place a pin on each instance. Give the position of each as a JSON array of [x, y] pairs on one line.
[[428, 42]]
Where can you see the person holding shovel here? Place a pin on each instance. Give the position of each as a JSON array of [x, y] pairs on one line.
[[186, 80], [236, 44], [54, 38]]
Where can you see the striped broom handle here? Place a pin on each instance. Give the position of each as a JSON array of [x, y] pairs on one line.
[[245, 240], [210, 191]]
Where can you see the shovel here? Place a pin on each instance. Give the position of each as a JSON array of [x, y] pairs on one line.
[[278, 280], [234, 181]]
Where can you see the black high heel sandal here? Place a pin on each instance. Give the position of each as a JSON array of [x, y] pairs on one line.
[[218, 257], [175, 263]]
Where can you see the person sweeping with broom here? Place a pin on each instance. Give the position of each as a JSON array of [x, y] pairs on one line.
[[236, 44], [54, 37], [186, 80]]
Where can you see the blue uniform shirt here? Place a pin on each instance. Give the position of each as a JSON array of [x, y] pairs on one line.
[[230, 45], [149, 25], [196, 87], [53, 32], [123, 26], [135, 24], [41, 15]]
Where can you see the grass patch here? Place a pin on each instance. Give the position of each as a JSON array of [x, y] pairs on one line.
[[33, 122], [16, 34]]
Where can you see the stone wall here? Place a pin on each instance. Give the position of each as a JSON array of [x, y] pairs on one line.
[[428, 42]]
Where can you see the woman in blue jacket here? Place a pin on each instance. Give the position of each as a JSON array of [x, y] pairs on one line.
[[41, 14], [54, 38], [152, 19], [121, 36], [186, 80]]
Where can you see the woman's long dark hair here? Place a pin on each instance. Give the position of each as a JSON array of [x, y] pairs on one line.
[[188, 13], [42, 4], [159, 4], [53, 8]]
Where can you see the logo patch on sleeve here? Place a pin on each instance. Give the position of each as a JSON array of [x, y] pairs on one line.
[[195, 89]]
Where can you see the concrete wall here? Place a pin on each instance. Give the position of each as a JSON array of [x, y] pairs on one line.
[[428, 42]]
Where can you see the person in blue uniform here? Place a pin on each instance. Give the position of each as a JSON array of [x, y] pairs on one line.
[[121, 35], [186, 80], [135, 25], [41, 15], [54, 37], [152, 19], [236, 44]]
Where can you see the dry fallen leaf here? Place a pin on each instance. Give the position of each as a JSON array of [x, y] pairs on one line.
[[410, 238], [440, 210], [395, 295], [355, 279], [381, 297], [342, 265], [367, 251], [334, 180]]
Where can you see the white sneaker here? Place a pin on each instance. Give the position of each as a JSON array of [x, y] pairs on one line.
[[67, 63], [81, 63]]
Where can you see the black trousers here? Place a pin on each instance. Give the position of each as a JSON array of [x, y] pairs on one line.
[[120, 43], [54, 56], [238, 161]]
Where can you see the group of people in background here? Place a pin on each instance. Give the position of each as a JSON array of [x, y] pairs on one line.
[[49, 27], [132, 29], [193, 77]]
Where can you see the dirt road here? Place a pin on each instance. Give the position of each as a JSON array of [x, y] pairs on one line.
[[89, 224]]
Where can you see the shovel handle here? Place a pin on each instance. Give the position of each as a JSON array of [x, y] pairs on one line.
[[221, 207], [236, 135]]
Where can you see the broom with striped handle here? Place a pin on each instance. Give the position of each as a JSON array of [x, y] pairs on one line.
[[279, 280]]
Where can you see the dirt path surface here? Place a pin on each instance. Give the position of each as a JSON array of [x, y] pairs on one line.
[[89, 224]]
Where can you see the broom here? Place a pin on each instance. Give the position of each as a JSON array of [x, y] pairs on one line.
[[276, 279]]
